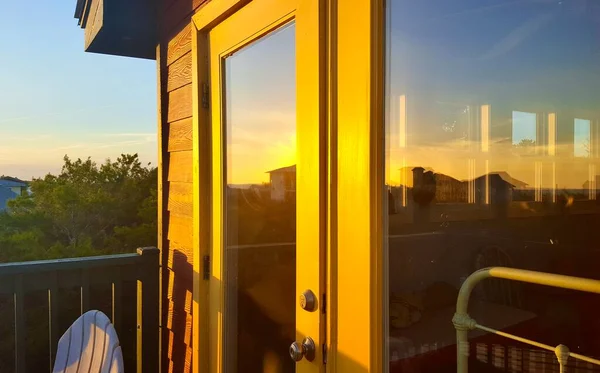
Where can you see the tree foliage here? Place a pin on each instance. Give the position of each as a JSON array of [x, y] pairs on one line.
[[87, 209]]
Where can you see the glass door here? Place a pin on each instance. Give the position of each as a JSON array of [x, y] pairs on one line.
[[267, 221]]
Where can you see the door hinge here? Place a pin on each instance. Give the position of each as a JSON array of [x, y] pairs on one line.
[[206, 267], [205, 93], [324, 353], [324, 304]]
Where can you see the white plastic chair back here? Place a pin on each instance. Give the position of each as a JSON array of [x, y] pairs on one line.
[[89, 345]]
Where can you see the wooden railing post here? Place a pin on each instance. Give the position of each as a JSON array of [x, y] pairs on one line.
[[19, 299], [148, 312]]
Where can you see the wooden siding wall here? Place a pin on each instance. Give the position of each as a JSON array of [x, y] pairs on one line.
[[175, 124]]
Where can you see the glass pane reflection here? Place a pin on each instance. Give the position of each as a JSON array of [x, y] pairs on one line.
[[491, 160], [260, 202]]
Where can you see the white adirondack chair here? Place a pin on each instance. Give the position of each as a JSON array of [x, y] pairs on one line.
[[89, 345]]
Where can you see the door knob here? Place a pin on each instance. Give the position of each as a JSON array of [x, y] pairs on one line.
[[306, 349]]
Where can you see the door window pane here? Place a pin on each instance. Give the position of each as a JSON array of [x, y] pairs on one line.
[[260, 205], [492, 125]]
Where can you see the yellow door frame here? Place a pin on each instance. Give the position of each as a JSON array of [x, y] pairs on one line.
[[346, 38], [231, 24], [361, 273]]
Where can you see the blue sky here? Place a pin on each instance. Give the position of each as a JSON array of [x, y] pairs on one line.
[[581, 137], [261, 113], [523, 126], [56, 99]]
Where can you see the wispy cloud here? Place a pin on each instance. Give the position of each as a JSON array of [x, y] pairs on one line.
[[476, 10], [518, 36]]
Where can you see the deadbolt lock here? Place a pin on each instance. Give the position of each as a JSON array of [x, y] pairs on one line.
[[308, 301]]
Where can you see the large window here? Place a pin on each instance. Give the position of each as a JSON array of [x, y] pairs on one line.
[[489, 164]]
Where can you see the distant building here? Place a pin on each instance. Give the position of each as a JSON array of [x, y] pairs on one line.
[[593, 185], [11, 188], [18, 186], [497, 188], [283, 183], [5, 196]]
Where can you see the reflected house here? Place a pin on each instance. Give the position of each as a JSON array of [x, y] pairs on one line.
[[498, 186], [444, 188], [283, 183], [449, 189], [425, 186], [591, 185]]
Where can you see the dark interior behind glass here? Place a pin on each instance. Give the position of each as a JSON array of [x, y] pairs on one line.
[[492, 150]]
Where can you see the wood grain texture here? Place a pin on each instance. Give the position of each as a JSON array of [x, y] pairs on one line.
[[171, 342], [184, 327], [180, 166], [180, 199], [187, 339], [95, 21], [180, 44], [180, 135], [181, 237], [178, 261], [171, 308], [168, 291], [182, 208], [180, 103], [180, 72], [179, 222], [176, 127], [184, 305], [181, 191], [180, 291], [188, 360]]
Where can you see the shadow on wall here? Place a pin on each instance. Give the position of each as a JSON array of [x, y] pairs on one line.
[[176, 314]]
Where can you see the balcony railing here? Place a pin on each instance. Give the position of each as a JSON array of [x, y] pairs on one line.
[[130, 281], [463, 323]]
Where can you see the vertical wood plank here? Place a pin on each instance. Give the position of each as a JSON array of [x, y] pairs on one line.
[[19, 299], [85, 290], [163, 185], [148, 313], [53, 312], [117, 306]]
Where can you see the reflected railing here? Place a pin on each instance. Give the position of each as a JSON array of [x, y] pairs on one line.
[[463, 323]]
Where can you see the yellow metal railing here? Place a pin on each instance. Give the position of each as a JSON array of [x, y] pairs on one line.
[[463, 323]]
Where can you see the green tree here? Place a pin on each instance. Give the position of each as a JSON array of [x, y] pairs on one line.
[[526, 143], [87, 209]]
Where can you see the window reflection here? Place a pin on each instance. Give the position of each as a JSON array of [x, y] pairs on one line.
[[491, 160], [524, 128], [581, 135], [260, 204]]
